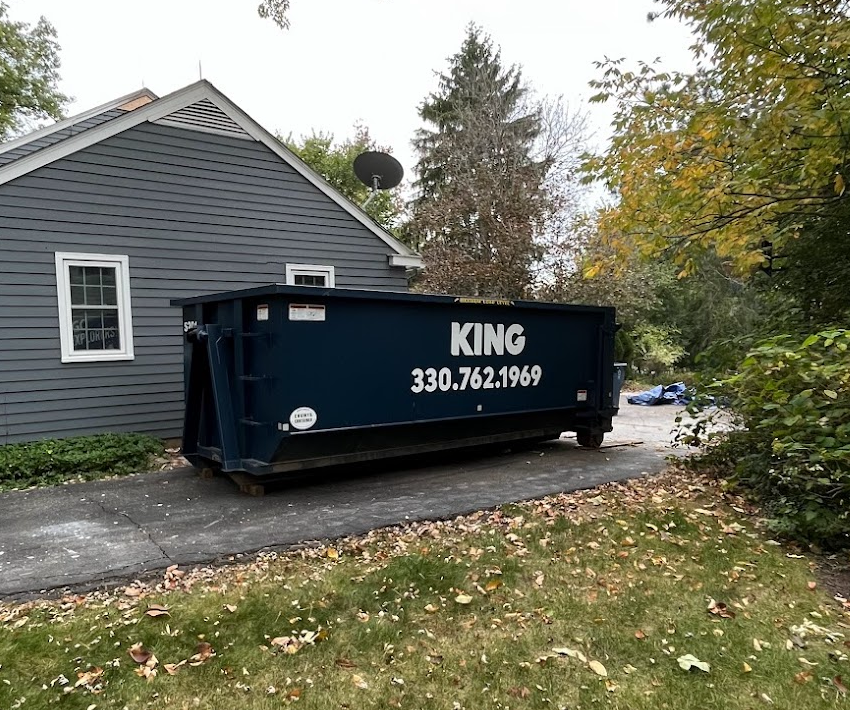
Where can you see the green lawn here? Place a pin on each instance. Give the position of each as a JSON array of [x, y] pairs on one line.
[[578, 601]]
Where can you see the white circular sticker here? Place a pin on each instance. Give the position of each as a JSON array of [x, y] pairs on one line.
[[303, 418]]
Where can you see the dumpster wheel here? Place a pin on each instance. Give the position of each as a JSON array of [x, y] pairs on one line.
[[590, 438]]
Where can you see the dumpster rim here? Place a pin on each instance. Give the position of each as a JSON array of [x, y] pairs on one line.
[[279, 289]]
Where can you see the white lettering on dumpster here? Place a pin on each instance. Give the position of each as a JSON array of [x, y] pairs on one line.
[[487, 339], [303, 418]]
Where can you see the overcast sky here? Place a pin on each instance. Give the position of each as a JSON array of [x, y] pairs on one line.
[[342, 60]]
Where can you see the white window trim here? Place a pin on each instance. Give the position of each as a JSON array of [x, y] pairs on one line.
[[293, 270], [64, 260]]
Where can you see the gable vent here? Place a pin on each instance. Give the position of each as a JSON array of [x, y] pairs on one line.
[[207, 117]]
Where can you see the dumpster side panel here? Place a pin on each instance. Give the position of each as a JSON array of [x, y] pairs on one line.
[[396, 362]]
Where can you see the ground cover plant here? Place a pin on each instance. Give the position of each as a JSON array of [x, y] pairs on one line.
[[80, 458], [659, 593]]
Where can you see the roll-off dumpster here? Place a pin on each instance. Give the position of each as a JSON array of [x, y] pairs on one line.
[[284, 378]]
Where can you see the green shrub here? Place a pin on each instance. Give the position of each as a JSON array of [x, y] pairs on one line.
[[81, 457], [791, 400], [656, 348]]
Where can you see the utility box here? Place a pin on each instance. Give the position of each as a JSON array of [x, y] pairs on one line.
[[285, 378]]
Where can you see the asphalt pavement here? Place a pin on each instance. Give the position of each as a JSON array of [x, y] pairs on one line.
[[84, 535]]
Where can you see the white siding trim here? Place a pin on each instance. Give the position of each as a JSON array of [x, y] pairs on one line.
[[293, 270], [121, 262], [409, 262]]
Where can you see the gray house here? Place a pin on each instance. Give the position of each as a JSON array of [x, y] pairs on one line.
[[107, 216]]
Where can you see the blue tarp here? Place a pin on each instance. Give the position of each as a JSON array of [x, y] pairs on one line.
[[661, 394]]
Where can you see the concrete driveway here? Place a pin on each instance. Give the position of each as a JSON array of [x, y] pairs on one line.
[[82, 535]]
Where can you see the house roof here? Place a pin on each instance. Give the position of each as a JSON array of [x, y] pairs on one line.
[[200, 106], [59, 131]]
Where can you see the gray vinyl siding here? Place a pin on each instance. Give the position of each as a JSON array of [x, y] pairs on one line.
[[196, 213], [32, 146]]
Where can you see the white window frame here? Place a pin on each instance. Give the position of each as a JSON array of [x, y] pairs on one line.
[[293, 270], [121, 263]]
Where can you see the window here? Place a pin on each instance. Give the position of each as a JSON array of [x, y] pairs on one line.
[[95, 322], [310, 275]]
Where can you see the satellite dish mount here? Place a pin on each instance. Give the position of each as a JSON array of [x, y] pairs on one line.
[[379, 171]]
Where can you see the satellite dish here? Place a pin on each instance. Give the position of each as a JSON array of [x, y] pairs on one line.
[[380, 171]]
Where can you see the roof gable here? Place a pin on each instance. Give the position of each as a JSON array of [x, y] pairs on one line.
[[200, 107]]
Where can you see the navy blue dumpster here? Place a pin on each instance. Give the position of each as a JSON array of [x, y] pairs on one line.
[[285, 378]]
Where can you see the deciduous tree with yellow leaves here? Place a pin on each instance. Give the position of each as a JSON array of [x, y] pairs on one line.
[[749, 148]]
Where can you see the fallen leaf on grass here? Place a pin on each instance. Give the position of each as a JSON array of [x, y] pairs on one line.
[[766, 698], [518, 692], [88, 677], [156, 610], [146, 672], [640, 635], [203, 652], [838, 683], [359, 682], [598, 668], [571, 653], [286, 643], [720, 609], [231, 608], [687, 662], [333, 553], [747, 667], [172, 668], [493, 584], [345, 663], [139, 653], [803, 677], [813, 585], [431, 608], [463, 599], [293, 694]]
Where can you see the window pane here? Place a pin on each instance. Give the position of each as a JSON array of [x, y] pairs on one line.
[[111, 332], [92, 294], [78, 296], [310, 280], [109, 296], [96, 329], [108, 276], [75, 274]]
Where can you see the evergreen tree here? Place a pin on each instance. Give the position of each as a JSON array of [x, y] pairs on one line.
[[481, 199]]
